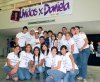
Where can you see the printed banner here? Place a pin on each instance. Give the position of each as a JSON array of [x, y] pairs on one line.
[[62, 7]]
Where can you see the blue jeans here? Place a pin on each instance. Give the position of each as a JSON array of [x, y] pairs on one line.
[[24, 74], [39, 70], [8, 69], [54, 75], [84, 55], [76, 58], [70, 76], [46, 69]]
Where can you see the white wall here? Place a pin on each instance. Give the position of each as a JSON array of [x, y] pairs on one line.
[[83, 10]]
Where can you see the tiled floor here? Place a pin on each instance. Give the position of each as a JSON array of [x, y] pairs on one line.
[[93, 76]]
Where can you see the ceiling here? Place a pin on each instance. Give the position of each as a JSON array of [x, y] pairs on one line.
[[16, 4], [90, 27]]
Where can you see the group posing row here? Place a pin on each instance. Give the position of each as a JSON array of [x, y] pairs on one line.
[[45, 46]]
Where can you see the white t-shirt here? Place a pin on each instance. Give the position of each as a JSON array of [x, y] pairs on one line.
[[63, 37], [91, 47], [53, 43], [48, 59], [67, 63], [25, 58], [13, 59], [60, 43], [37, 41], [36, 59], [68, 44], [22, 38], [55, 61], [30, 39], [79, 39]]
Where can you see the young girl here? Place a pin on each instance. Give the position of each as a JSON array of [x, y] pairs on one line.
[[38, 63], [53, 41], [47, 57], [12, 64], [26, 58], [69, 65], [57, 72], [72, 48], [59, 41]]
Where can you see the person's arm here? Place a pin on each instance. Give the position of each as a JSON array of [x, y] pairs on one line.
[[31, 64], [72, 48], [16, 41], [72, 60], [15, 69], [8, 63], [58, 65], [41, 63], [85, 44]]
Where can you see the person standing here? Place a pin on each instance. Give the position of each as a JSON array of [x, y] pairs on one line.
[[21, 37], [84, 52], [72, 48], [30, 38]]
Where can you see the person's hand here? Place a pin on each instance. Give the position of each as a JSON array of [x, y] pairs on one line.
[[13, 71], [80, 49], [32, 70]]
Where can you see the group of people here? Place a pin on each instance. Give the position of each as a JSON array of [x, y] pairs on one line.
[[52, 57]]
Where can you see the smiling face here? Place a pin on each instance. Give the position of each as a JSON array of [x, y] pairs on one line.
[[16, 50], [63, 51], [44, 47], [77, 30], [68, 36], [36, 51], [59, 36], [28, 48]]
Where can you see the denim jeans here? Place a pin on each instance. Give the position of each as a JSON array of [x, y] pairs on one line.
[[76, 58], [70, 76], [84, 55], [24, 74], [46, 69], [39, 70], [8, 69], [54, 75]]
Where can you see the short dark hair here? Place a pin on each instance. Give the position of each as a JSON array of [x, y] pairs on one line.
[[63, 46], [40, 28], [55, 48], [25, 27], [45, 32], [77, 27], [16, 46], [50, 31], [60, 33], [42, 37], [64, 27]]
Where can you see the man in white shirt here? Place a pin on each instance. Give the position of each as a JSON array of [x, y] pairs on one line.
[[64, 31], [21, 37], [30, 39]]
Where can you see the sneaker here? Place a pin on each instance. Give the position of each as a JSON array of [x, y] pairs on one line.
[[79, 78]]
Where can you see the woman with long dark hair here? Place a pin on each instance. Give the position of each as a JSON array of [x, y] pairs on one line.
[[26, 61], [47, 57], [38, 63]]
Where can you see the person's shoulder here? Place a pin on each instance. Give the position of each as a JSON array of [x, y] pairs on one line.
[[10, 54]]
